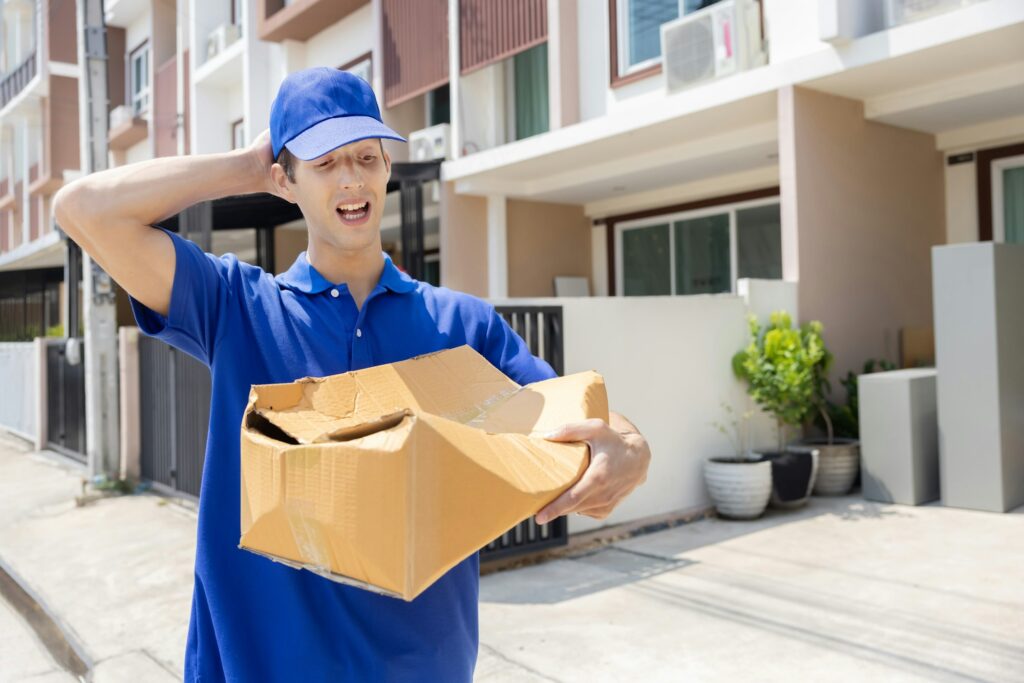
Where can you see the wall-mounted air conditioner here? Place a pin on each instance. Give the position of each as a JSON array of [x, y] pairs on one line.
[[716, 41], [220, 38], [120, 115], [905, 11], [431, 143]]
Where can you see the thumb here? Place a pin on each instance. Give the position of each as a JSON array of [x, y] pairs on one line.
[[575, 431]]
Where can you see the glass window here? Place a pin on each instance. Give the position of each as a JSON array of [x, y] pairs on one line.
[[759, 242], [702, 255], [138, 79], [639, 28], [646, 261], [1013, 205], [531, 91], [439, 105]]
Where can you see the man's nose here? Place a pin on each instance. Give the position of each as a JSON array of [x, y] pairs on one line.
[[351, 174]]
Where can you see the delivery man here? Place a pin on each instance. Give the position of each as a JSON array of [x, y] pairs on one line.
[[343, 305]]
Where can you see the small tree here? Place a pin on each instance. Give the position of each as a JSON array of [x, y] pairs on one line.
[[785, 370]]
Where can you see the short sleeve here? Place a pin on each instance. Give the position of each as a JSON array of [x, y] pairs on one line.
[[197, 300], [507, 351]]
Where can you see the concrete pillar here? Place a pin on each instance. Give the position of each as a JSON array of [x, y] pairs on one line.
[[128, 351], [563, 64], [455, 124], [497, 248], [979, 334]]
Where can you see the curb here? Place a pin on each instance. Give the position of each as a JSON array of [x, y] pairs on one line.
[[58, 641]]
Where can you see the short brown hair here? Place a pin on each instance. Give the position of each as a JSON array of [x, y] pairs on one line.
[[287, 161]]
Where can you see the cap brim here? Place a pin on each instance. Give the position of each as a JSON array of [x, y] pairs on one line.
[[330, 134]]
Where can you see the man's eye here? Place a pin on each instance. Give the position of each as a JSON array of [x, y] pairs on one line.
[[325, 163], [370, 157]]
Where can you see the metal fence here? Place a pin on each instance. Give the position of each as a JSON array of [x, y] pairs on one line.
[[18, 376], [541, 329], [174, 416], [65, 400]]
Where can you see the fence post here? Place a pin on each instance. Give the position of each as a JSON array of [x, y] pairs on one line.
[[41, 393], [128, 357]]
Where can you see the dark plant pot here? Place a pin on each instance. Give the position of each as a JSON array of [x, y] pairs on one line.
[[838, 464], [793, 475]]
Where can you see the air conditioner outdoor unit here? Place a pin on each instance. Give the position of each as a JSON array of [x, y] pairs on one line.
[[716, 41], [905, 11], [431, 143], [220, 38], [120, 115]]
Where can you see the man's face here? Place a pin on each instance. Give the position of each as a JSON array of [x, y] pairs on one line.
[[341, 194]]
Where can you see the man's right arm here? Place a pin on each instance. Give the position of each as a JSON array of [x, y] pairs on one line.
[[109, 214]]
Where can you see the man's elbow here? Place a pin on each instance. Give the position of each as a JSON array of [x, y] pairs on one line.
[[65, 208]]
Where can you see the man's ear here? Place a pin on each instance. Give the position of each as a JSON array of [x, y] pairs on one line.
[[282, 186]]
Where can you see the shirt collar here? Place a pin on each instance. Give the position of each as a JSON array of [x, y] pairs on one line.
[[303, 277]]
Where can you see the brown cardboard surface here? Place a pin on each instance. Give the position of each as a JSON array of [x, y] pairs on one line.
[[387, 477]]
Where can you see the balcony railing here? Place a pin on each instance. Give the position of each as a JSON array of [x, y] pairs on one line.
[[15, 81]]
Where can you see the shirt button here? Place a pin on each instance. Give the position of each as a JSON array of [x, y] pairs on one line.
[[335, 293], [359, 332]]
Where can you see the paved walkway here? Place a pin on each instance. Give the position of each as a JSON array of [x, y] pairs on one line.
[[841, 590]]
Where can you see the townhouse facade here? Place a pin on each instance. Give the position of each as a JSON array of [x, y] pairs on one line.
[[638, 163]]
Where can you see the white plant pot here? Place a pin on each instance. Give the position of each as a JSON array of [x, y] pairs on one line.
[[838, 464], [739, 490]]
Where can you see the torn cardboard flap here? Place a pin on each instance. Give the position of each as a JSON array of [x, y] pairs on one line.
[[387, 477]]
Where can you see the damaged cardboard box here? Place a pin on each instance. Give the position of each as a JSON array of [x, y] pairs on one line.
[[386, 478]]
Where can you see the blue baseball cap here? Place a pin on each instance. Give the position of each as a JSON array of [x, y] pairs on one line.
[[320, 109]]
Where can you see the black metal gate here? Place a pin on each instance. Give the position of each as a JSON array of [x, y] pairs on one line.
[[541, 329], [174, 416], [65, 400]]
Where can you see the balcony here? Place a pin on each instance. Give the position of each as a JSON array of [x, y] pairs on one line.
[[15, 81], [126, 129], [279, 20]]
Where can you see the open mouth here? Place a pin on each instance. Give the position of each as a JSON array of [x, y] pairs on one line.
[[353, 213]]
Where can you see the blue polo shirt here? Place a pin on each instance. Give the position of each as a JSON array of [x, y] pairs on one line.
[[254, 619]]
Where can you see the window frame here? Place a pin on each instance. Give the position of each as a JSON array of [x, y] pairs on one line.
[[352, 63], [998, 201], [144, 94], [236, 126], [730, 208], [652, 67]]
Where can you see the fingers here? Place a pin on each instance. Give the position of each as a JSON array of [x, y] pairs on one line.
[[592, 483]]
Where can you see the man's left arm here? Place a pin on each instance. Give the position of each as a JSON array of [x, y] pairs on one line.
[[619, 458]]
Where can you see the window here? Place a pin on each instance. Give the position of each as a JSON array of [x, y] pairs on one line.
[[439, 106], [526, 93], [699, 252], [138, 79], [360, 66], [530, 78], [1008, 199], [238, 134], [636, 33], [236, 12]]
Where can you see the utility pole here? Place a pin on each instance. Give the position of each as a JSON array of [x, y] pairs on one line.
[[98, 296]]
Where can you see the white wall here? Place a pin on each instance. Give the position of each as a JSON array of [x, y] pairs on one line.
[[18, 402], [667, 367], [482, 106], [961, 203], [343, 41]]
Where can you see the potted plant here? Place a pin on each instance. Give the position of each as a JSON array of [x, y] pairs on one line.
[[839, 450], [739, 484], [784, 368]]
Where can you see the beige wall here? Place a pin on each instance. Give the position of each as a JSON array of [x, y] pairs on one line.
[[862, 204], [545, 240], [463, 241], [288, 244]]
